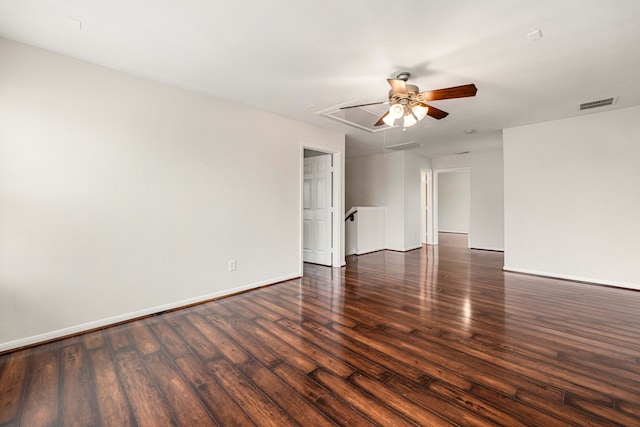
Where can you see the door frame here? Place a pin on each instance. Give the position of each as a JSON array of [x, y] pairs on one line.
[[426, 207], [337, 214]]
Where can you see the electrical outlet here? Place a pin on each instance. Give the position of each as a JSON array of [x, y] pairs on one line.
[[232, 265]]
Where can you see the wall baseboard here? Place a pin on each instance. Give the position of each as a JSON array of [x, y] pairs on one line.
[[110, 321], [573, 278], [368, 250], [410, 248], [486, 248]]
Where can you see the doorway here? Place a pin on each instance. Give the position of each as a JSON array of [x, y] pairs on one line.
[[317, 207], [321, 206], [452, 202]]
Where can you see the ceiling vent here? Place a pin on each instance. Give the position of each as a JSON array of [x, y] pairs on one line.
[[362, 118], [403, 146], [596, 104]]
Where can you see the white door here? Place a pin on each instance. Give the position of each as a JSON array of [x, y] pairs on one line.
[[316, 217]]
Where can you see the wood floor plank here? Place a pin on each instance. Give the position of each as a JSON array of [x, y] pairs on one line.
[[533, 369], [143, 338], [119, 337], [630, 409], [248, 396], [299, 409], [397, 402], [533, 416], [445, 407], [147, 402], [307, 309], [334, 408], [12, 381], [561, 410], [225, 345], [563, 377], [320, 308], [447, 363], [360, 400], [281, 348], [241, 331], [349, 357], [111, 400], [297, 312], [610, 414], [483, 372], [259, 309], [77, 400], [420, 363], [93, 340], [363, 350], [41, 393], [285, 312], [214, 306], [438, 335], [186, 407], [197, 342], [220, 404], [313, 352], [164, 333], [235, 306]]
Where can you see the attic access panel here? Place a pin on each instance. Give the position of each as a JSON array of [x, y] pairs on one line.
[[362, 118]]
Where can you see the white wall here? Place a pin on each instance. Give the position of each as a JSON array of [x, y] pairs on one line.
[[378, 181], [572, 198], [120, 196], [394, 201], [366, 181], [366, 232], [486, 220], [391, 180], [453, 201]]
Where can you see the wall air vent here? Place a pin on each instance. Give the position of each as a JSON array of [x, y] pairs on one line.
[[362, 118], [596, 104], [403, 146]]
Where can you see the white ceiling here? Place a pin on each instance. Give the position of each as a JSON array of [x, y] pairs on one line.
[[298, 57]]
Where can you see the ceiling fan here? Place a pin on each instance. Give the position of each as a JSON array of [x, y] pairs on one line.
[[409, 103]]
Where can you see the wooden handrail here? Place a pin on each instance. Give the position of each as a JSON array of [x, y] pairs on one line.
[[351, 216]]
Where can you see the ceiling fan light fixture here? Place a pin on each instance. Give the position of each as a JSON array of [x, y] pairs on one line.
[[396, 111], [389, 120], [409, 120], [407, 102], [420, 111]]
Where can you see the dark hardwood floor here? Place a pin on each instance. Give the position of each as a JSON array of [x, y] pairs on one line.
[[437, 336]]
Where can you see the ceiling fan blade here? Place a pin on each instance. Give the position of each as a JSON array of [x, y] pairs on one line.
[[435, 112], [364, 105], [448, 93], [380, 121], [397, 85]]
